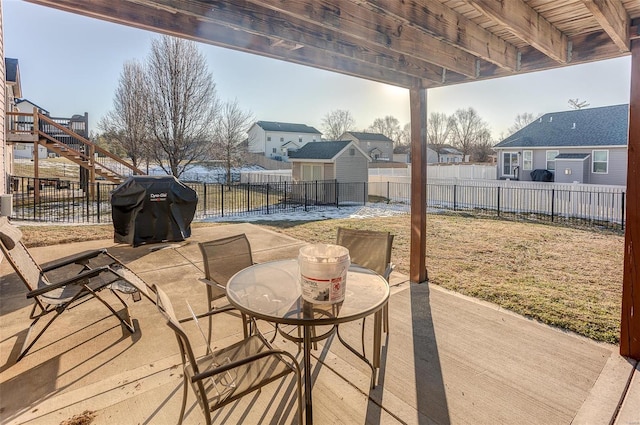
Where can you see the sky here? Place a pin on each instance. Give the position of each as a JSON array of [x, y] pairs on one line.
[[70, 64]]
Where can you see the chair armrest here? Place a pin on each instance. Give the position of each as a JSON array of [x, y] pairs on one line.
[[224, 368], [212, 283], [87, 274], [224, 309], [388, 271], [74, 259]]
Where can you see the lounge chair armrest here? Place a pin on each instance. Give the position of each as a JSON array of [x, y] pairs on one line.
[[87, 274], [75, 259], [226, 367], [210, 313]]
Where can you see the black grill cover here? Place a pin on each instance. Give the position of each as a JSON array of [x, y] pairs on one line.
[[150, 209], [541, 175]]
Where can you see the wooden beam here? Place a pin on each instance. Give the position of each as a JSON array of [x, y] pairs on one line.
[[438, 20], [418, 250], [525, 23], [299, 21], [362, 63], [630, 320], [613, 18]]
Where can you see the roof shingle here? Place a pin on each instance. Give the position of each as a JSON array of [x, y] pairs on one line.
[[319, 150], [603, 126], [286, 127]]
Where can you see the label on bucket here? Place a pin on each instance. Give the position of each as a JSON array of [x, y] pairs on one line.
[[323, 272], [322, 290]]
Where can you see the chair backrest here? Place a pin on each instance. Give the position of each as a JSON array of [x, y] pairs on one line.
[[367, 248], [225, 257], [166, 309], [19, 257]]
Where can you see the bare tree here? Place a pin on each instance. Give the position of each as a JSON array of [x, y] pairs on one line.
[[483, 147], [577, 104], [404, 137], [126, 124], [183, 104], [521, 121], [336, 122], [439, 128], [229, 133], [467, 129], [389, 126]]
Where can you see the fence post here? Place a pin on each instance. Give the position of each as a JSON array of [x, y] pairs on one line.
[[455, 188], [204, 201], [267, 198], [553, 199], [248, 198], [305, 195], [499, 201], [221, 200], [285, 195], [98, 201], [366, 193], [316, 194], [388, 191], [337, 191], [622, 212]]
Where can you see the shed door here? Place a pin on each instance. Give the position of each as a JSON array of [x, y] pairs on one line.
[[311, 172]]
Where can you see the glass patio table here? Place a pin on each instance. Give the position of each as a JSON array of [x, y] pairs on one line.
[[271, 291]]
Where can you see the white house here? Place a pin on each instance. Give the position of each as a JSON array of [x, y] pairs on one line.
[[276, 139], [377, 146]]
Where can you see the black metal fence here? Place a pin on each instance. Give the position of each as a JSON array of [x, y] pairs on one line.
[[71, 202]]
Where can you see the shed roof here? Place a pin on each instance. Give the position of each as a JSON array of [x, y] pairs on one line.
[[286, 127], [603, 126], [320, 150], [572, 156]]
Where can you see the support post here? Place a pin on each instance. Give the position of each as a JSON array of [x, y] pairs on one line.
[[630, 320], [418, 104]]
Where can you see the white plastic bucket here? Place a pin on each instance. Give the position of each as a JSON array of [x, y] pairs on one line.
[[323, 272]]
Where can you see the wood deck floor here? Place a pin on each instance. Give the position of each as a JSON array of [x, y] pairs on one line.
[[448, 359]]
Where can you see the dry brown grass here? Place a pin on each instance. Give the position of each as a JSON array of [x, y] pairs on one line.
[[563, 277]]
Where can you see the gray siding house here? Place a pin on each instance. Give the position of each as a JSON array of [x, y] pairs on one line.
[[584, 146], [340, 161], [377, 146]]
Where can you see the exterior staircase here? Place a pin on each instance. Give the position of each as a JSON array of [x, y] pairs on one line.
[[59, 137]]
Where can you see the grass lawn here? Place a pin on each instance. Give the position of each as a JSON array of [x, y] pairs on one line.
[[564, 277]]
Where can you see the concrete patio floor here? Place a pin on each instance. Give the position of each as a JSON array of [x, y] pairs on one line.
[[448, 359]]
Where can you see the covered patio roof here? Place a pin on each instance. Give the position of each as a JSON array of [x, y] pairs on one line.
[[419, 44]]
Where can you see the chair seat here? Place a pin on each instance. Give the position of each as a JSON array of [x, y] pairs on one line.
[[244, 378]]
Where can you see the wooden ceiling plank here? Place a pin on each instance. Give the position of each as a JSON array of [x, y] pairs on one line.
[[613, 18], [347, 19], [167, 21], [525, 23], [440, 21]]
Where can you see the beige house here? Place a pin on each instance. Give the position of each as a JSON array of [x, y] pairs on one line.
[[377, 146]]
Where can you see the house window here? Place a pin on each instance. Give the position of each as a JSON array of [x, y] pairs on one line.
[[352, 152], [509, 162], [527, 160], [268, 138], [274, 150], [282, 139], [311, 172], [600, 161], [551, 160], [300, 139]]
